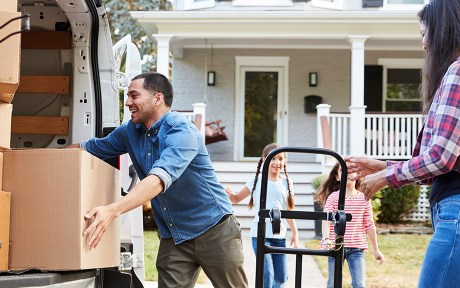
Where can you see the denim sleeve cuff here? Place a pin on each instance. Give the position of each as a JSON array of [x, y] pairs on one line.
[[83, 144], [163, 175]]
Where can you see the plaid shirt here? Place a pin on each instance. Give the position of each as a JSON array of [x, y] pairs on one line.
[[438, 144]]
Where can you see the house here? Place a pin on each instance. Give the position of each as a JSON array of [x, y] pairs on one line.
[[263, 66]]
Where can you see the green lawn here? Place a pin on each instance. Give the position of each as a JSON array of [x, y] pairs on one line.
[[151, 243], [403, 259]]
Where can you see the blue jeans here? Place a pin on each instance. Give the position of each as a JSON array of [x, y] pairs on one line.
[[356, 265], [441, 265], [275, 265]]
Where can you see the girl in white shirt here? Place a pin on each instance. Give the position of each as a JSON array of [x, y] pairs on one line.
[[279, 195]]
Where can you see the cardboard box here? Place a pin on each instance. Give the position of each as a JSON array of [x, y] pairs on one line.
[[52, 190], [8, 6], [5, 199], [1, 170], [5, 125], [10, 51], [5, 97]]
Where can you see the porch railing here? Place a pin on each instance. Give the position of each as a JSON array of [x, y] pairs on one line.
[[197, 116], [386, 135]]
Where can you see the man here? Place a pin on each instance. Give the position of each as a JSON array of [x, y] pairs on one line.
[[191, 208]]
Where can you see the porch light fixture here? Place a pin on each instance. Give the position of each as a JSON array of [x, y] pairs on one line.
[[211, 78], [313, 79]]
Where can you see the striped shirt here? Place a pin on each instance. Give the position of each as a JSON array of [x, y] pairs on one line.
[[438, 146], [362, 219]]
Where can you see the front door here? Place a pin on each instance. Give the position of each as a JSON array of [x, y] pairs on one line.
[[261, 104]]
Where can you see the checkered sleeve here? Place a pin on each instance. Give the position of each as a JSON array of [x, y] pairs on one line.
[[440, 141]]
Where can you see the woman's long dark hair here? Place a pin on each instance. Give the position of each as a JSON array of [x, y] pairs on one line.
[[269, 148], [442, 21]]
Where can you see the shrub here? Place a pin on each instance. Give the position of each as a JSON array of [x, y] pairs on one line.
[[317, 181], [398, 203]]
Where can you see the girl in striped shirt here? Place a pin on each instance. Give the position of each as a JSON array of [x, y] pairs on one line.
[[361, 225]]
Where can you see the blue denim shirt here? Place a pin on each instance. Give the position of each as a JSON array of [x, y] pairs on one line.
[[193, 200]]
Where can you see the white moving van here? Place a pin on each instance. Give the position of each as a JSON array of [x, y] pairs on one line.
[[71, 74]]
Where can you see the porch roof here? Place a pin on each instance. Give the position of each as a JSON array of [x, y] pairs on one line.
[[387, 30]]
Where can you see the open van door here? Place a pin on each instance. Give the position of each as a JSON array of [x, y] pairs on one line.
[[127, 65]]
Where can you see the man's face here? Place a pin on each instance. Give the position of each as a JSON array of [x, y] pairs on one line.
[[141, 103]]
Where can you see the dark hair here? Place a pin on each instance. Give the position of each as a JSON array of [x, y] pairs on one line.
[[442, 21], [269, 148], [327, 187], [156, 82], [331, 184]]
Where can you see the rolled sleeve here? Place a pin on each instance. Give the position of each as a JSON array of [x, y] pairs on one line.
[[163, 175], [83, 144]]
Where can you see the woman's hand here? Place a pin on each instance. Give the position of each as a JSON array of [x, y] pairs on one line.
[[373, 183], [363, 166]]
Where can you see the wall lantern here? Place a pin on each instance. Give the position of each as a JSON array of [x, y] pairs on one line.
[[313, 79], [211, 78]]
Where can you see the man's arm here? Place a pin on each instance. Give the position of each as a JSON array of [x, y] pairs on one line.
[[144, 191]]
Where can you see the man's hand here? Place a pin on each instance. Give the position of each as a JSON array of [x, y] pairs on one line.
[[363, 166], [102, 216]]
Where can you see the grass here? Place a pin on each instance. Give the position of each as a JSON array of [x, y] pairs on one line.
[[151, 244], [403, 259]]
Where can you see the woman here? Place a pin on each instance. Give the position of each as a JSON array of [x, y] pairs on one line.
[[435, 158]]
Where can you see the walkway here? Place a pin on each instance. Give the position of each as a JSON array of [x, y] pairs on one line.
[[311, 276]]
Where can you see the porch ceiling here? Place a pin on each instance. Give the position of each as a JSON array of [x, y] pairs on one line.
[[387, 30]]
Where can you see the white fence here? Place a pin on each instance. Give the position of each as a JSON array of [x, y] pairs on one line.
[[387, 136], [422, 212]]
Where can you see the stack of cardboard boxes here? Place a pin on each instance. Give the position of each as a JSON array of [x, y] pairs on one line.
[[45, 193], [9, 78]]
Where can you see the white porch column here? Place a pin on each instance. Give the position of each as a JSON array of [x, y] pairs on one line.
[[200, 108], [357, 108], [322, 110], [163, 53]]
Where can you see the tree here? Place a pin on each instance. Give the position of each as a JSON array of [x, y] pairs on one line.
[[122, 23]]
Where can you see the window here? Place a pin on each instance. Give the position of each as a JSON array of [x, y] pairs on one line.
[[405, 4], [194, 4], [405, 1], [402, 90], [331, 4], [401, 81], [262, 2]]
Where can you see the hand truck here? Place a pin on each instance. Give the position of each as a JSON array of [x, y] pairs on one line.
[[339, 219]]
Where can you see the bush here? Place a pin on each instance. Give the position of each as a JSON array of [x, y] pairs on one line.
[[398, 203], [317, 181]]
